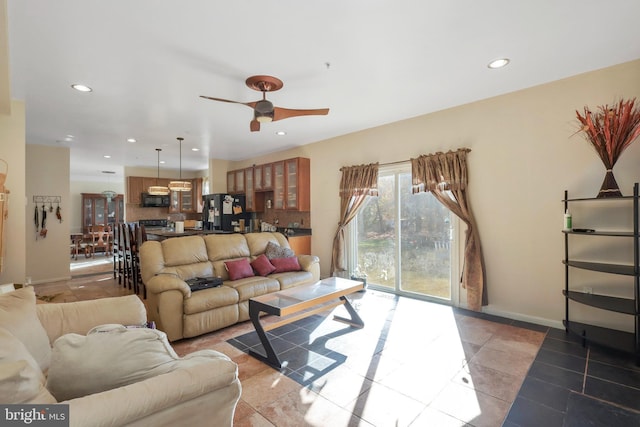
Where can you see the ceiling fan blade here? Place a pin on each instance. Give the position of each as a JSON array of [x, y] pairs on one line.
[[248, 104], [285, 113], [254, 125]]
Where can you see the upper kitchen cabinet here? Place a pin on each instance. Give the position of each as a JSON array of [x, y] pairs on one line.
[[254, 200], [187, 201], [236, 181], [136, 185], [292, 184], [263, 177]]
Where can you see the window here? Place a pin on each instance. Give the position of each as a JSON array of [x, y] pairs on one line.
[[404, 242]]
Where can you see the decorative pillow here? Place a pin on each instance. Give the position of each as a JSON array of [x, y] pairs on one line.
[[21, 380], [239, 269], [274, 250], [18, 316], [262, 266], [100, 361], [285, 264]]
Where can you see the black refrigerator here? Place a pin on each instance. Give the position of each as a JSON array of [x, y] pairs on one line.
[[224, 211]]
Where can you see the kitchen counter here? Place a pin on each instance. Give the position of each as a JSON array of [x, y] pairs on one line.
[[165, 233]]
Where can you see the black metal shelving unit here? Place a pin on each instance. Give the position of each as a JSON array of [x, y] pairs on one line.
[[621, 340]]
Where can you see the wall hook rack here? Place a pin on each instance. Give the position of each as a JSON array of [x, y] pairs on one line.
[[47, 199]]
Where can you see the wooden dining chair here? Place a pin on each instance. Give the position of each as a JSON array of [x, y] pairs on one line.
[[100, 235]]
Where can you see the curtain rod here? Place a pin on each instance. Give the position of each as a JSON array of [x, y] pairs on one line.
[[408, 160]]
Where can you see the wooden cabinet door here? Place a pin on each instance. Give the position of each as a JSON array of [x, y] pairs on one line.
[[257, 178], [300, 245], [134, 189], [249, 190], [297, 178], [267, 176], [231, 182], [239, 188], [278, 185]]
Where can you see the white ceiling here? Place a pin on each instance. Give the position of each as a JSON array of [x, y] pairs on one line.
[[370, 61]]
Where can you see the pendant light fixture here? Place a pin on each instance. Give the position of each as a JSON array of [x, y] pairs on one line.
[[109, 194], [158, 190], [180, 185]]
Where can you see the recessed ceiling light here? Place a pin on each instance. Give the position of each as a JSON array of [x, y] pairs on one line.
[[132, 140], [162, 162], [81, 87], [106, 156], [281, 133], [195, 149], [498, 63]]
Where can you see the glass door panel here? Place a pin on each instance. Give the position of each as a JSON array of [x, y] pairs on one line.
[[278, 188], [292, 184]]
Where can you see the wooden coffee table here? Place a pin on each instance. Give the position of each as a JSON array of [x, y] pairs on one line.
[[299, 302]]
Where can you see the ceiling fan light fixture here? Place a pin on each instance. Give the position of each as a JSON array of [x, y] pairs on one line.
[[180, 185], [158, 190], [263, 117]]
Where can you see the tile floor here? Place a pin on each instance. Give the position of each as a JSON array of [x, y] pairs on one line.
[[414, 364]]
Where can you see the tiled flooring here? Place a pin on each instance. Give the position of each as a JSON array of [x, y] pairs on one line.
[[417, 364]]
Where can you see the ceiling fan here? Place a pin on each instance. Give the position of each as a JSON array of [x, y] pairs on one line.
[[263, 110]]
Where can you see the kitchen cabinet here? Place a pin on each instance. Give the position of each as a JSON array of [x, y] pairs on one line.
[[187, 201], [292, 184], [263, 177], [97, 210], [235, 181], [254, 201], [300, 245], [136, 185]]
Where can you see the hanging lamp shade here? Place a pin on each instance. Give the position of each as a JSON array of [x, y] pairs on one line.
[[158, 190], [180, 185], [109, 194]]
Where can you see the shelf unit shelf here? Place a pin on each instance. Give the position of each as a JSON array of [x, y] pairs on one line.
[[617, 339], [621, 340]]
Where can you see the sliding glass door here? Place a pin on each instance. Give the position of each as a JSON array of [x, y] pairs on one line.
[[403, 241]]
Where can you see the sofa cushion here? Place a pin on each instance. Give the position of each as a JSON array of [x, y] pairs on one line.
[[21, 380], [18, 316], [262, 266], [222, 247], [186, 250], [274, 250], [254, 286], [285, 264], [239, 269], [83, 365]]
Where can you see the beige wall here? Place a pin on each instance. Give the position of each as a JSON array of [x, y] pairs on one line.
[[523, 158], [47, 174], [12, 150]]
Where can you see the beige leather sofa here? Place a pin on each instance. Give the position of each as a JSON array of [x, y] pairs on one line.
[[181, 313], [204, 393]]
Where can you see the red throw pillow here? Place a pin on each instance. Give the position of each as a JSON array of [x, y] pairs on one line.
[[285, 264], [239, 269], [262, 266]]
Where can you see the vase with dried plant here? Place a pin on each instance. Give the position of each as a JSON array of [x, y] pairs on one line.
[[610, 130]]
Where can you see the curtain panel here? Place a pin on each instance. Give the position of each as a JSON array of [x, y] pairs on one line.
[[356, 184], [445, 176]]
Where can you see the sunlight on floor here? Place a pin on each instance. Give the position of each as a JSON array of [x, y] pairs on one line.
[[90, 262]]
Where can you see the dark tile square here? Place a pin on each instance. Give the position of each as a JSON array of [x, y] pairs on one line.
[[612, 392], [544, 393], [566, 347], [284, 329], [249, 340], [297, 357], [613, 357], [561, 334], [556, 376], [527, 413], [297, 336], [239, 345], [585, 411], [614, 374], [279, 346], [529, 326], [562, 360]]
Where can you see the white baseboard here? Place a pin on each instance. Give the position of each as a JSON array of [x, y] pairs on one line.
[[524, 318]]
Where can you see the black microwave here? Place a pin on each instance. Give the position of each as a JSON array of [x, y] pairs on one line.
[[151, 201]]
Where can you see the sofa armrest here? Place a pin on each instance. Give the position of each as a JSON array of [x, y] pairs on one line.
[[163, 282], [81, 316], [310, 263], [165, 399]]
